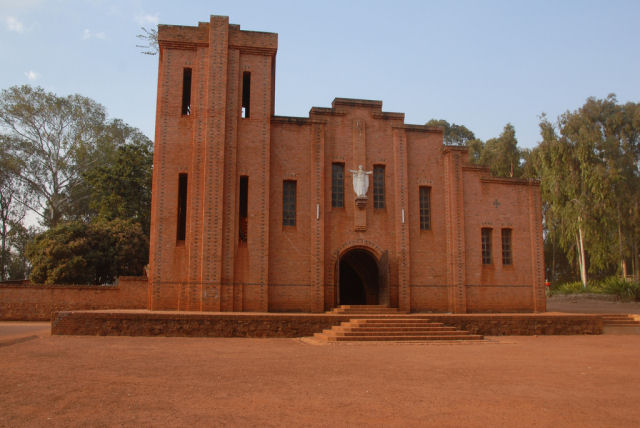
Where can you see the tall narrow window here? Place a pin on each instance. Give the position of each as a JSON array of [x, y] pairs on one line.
[[289, 203], [425, 208], [242, 211], [378, 186], [182, 207], [486, 245], [507, 258], [337, 185], [246, 94], [186, 92]]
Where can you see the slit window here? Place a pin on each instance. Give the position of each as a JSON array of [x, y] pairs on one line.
[[507, 257], [425, 208], [378, 186], [243, 208], [246, 94], [289, 203], [337, 185], [486, 245], [182, 207], [186, 92]]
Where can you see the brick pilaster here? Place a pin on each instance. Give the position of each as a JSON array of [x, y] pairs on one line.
[[401, 218], [213, 165], [454, 213], [317, 218]]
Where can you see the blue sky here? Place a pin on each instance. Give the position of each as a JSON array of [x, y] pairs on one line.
[[480, 64]]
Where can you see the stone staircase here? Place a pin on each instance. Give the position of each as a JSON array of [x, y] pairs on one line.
[[390, 325], [620, 324]]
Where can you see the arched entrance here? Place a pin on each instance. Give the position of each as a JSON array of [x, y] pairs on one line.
[[361, 278]]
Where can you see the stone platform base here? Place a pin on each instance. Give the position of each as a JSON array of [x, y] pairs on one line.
[[244, 324]]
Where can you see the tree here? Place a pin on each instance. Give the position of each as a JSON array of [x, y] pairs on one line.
[[95, 253], [455, 135], [122, 188], [46, 133], [54, 143], [501, 154], [149, 37], [11, 210], [120, 185], [588, 164], [19, 237]]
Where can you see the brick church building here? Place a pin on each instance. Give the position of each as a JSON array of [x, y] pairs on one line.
[[350, 205]]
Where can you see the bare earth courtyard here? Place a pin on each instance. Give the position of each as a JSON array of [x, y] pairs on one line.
[[152, 381]]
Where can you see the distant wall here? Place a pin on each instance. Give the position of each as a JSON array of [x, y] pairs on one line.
[[36, 302]]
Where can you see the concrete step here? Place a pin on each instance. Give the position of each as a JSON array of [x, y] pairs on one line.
[[398, 328], [364, 306], [398, 333], [618, 320], [403, 338], [414, 329], [397, 323], [620, 329], [367, 311]]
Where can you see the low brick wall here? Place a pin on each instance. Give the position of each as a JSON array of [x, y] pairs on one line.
[[192, 324], [523, 324], [23, 301]]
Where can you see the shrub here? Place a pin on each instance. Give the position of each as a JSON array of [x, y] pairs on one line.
[[573, 288], [625, 290], [613, 285], [94, 253]]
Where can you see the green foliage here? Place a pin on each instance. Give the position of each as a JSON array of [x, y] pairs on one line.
[[455, 135], [121, 186], [588, 163], [11, 210], [46, 132], [625, 290], [55, 143], [575, 287], [18, 238], [501, 154], [95, 253]]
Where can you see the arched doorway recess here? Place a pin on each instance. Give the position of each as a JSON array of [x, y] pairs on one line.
[[362, 278]]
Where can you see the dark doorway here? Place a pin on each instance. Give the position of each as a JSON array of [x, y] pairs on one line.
[[359, 281]]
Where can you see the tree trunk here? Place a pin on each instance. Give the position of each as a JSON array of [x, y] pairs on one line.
[[635, 262], [3, 258], [553, 261], [623, 262], [581, 257]]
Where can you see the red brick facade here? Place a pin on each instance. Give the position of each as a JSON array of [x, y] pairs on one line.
[[228, 239]]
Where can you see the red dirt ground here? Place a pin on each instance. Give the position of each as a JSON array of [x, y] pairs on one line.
[[585, 381]]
